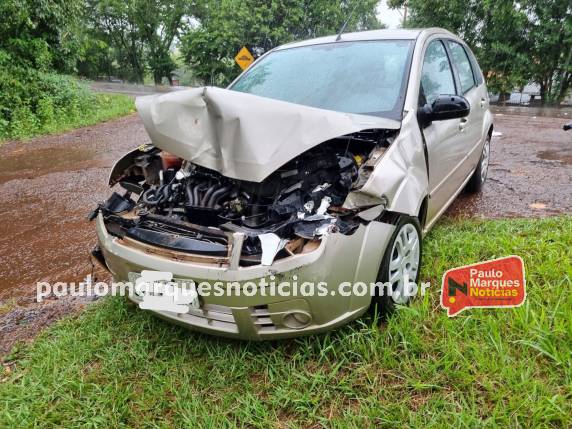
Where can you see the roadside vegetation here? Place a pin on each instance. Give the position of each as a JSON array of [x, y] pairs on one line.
[[516, 42], [116, 366], [55, 103], [39, 49], [42, 44]]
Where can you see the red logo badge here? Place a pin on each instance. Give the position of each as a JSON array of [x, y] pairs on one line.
[[497, 283]]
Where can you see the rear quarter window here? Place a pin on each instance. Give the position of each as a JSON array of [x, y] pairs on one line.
[[463, 65], [476, 68]]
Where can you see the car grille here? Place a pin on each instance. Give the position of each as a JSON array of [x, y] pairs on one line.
[[261, 318], [211, 315]]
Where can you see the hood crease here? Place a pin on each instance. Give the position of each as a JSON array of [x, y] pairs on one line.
[[240, 135]]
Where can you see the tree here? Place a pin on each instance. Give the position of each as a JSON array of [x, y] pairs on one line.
[[516, 42], [227, 25], [550, 44], [139, 33], [113, 22], [40, 34], [501, 46], [159, 22], [458, 16]]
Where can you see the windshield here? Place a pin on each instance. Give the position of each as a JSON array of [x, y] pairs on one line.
[[367, 77]]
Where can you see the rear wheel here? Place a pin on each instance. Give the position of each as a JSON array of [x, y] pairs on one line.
[[401, 262], [479, 177]]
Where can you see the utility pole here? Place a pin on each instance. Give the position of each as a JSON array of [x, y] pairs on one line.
[[404, 14]]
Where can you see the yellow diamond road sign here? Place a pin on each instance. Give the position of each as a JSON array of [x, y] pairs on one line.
[[244, 58]]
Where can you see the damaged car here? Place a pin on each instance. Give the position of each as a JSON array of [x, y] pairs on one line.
[[325, 161]]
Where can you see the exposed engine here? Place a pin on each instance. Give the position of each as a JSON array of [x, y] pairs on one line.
[[172, 203]]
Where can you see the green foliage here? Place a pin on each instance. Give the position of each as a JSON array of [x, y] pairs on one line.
[[127, 38], [41, 34], [228, 25], [550, 46], [34, 102], [516, 42], [159, 23], [37, 39], [116, 366]]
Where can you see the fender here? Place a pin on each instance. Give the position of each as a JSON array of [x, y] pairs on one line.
[[400, 179]]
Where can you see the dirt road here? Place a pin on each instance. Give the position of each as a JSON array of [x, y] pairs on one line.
[[530, 172], [48, 186]]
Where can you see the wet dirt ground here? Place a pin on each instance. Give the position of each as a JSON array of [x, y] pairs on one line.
[[530, 171], [49, 184]]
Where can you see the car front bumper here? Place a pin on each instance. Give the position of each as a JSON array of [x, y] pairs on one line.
[[339, 258]]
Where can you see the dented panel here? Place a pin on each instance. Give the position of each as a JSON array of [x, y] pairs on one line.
[[399, 179], [242, 136]]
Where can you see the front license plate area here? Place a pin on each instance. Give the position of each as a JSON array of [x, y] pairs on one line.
[[159, 291]]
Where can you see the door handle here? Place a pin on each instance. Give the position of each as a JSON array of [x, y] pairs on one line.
[[483, 103], [463, 124]]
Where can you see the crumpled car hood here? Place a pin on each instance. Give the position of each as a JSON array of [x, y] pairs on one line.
[[242, 136]]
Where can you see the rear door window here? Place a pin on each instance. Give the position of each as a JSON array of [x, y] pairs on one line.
[[436, 75], [463, 66]]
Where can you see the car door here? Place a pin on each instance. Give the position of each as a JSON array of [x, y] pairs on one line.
[[445, 148], [472, 125]]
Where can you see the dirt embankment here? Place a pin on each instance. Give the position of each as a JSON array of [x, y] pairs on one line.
[[48, 186]]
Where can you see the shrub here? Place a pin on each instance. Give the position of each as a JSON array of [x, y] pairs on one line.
[[35, 102]]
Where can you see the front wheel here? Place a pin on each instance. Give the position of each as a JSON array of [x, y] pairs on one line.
[[479, 177], [401, 263]]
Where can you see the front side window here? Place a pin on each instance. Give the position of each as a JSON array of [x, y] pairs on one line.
[[463, 65], [436, 75], [366, 77]]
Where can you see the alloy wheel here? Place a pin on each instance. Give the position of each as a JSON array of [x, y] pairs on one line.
[[485, 160], [404, 262]]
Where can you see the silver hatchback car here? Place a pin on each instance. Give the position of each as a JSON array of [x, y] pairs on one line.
[[325, 162]]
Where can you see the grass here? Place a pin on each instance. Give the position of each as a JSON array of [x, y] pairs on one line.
[[115, 366], [103, 107], [106, 107]]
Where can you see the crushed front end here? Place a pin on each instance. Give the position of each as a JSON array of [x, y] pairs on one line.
[[177, 215]]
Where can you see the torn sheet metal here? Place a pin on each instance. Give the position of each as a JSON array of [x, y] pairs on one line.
[[372, 213], [317, 227], [271, 245], [324, 204], [243, 136], [399, 179]]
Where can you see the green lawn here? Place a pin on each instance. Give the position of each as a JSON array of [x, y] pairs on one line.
[[115, 366]]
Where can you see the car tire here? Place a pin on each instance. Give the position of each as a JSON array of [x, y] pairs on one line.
[[398, 260], [475, 184]]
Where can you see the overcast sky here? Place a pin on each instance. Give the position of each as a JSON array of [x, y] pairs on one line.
[[390, 17]]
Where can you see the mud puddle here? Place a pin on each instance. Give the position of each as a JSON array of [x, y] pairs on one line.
[[20, 165]]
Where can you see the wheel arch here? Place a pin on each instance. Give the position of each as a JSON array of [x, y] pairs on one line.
[[422, 215]]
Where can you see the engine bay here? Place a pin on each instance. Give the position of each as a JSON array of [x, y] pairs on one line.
[[175, 204]]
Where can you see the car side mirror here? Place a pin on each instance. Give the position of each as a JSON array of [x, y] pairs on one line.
[[443, 108]]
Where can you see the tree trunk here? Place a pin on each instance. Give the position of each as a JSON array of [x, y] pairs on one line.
[[543, 93], [565, 79], [157, 77], [503, 97], [564, 86]]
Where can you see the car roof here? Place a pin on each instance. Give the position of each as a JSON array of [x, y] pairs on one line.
[[399, 34]]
